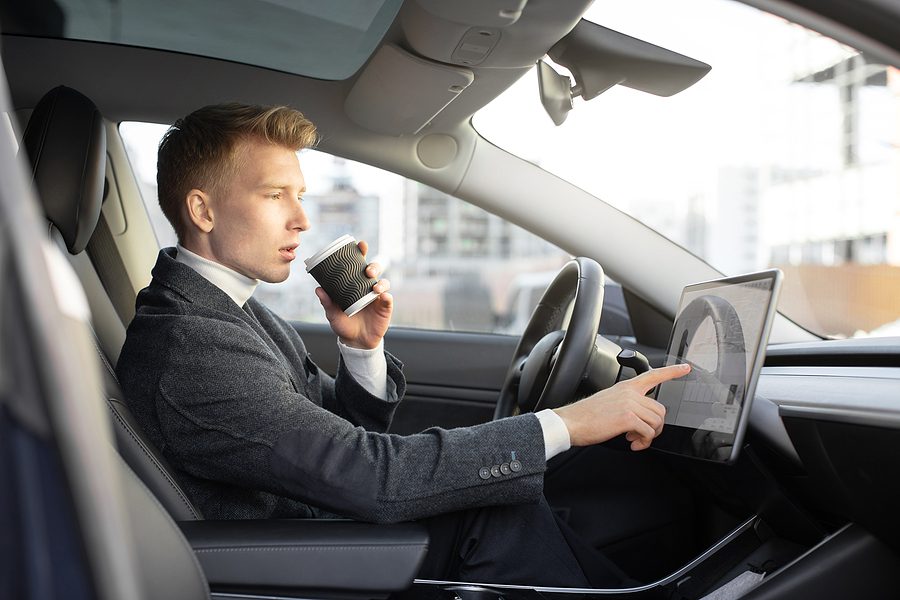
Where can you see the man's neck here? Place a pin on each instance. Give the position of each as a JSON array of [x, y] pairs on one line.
[[238, 287]]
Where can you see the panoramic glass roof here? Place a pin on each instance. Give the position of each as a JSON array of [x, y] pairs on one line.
[[325, 40]]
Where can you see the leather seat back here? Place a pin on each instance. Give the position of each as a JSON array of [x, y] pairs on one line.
[[66, 141]]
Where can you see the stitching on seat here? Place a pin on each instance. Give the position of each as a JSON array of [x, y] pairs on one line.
[[134, 437], [155, 462], [106, 363], [43, 134]]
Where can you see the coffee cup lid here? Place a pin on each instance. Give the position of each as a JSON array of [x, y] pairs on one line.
[[321, 255]]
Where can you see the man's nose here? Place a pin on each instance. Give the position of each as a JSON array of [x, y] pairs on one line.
[[300, 220]]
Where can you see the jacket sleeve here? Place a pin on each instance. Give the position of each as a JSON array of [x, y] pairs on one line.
[[230, 413], [343, 395], [388, 478], [353, 402]]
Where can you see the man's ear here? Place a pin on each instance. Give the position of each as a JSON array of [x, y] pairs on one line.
[[199, 210]]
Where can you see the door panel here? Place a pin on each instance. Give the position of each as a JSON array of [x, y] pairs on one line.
[[453, 378]]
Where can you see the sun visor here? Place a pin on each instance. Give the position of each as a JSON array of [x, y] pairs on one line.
[[398, 93], [600, 58]]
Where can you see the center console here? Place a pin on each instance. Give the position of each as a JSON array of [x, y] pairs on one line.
[[751, 562]]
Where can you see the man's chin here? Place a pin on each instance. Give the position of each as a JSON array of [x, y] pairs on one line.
[[275, 277]]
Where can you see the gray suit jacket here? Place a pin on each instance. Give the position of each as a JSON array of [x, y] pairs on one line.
[[256, 430]]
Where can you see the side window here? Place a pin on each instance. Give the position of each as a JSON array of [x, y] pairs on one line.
[[452, 265], [141, 143]]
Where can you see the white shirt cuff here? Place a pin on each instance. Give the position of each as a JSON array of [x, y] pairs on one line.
[[556, 434], [368, 367]]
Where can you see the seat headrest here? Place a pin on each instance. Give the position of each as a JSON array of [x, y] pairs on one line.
[[66, 142]]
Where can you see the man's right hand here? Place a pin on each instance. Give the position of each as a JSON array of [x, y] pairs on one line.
[[622, 408], [366, 328]]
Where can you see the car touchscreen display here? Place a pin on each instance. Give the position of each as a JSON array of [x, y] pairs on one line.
[[721, 330]]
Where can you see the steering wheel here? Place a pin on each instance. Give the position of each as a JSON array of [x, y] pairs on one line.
[[549, 362]]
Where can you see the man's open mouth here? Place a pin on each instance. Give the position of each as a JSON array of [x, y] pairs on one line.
[[289, 252]]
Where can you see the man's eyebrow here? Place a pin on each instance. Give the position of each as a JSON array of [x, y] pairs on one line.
[[279, 186]]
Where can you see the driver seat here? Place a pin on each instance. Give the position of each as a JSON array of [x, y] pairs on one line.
[[65, 136], [66, 139]]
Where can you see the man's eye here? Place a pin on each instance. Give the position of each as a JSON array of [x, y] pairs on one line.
[[275, 196]]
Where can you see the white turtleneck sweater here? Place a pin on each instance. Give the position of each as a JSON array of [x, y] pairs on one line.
[[368, 367]]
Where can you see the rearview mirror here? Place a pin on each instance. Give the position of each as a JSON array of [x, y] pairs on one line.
[[556, 92], [600, 58]]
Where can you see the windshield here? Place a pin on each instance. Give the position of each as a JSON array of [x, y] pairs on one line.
[[786, 154]]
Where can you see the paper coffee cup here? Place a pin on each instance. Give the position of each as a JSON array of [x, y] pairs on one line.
[[340, 268]]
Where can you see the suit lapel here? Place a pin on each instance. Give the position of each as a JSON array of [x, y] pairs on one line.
[[257, 325], [198, 290]]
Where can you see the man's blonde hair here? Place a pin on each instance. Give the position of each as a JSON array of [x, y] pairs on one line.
[[200, 150]]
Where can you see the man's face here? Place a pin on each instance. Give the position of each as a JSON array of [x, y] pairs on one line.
[[258, 214]]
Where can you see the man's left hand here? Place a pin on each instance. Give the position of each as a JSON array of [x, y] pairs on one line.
[[366, 328]]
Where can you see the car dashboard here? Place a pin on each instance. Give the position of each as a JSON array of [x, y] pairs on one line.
[[832, 408]]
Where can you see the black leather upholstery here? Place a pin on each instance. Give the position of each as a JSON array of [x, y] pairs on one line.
[[66, 143], [308, 555], [148, 464], [137, 451]]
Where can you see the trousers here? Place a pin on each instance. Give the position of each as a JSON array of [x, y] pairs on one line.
[[523, 544]]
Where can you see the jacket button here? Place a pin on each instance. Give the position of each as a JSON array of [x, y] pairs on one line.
[[484, 473], [495, 470], [515, 466], [504, 468]]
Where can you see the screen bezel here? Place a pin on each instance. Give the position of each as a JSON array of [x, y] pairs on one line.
[[672, 437]]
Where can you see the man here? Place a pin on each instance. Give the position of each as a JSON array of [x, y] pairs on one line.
[[227, 391]]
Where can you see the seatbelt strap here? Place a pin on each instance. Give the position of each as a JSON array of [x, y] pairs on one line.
[[103, 253]]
